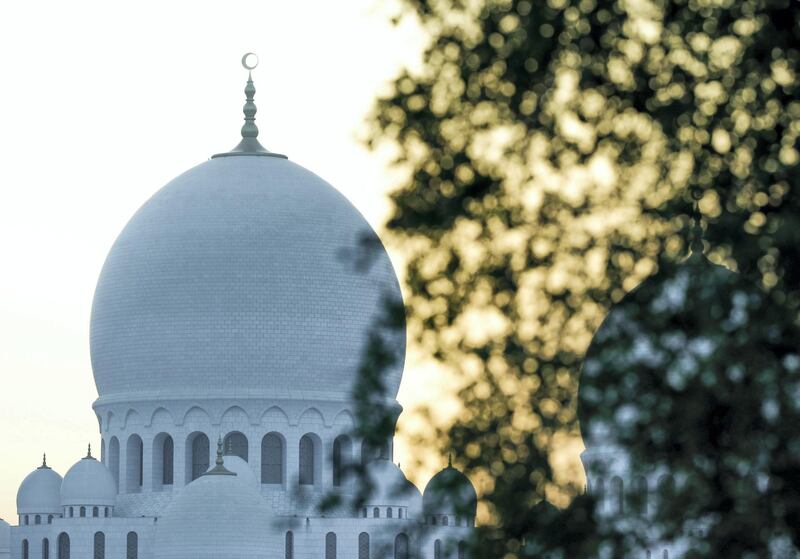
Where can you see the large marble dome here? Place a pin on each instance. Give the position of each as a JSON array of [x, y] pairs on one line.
[[245, 277]]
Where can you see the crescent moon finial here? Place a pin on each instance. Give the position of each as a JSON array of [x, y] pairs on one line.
[[250, 60]]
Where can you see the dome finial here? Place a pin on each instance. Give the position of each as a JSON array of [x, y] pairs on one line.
[[250, 130], [219, 469], [696, 242], [449, 459], [249, 144], [89, 451], [44, 465]]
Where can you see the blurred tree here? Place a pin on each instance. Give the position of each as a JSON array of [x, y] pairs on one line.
[[553, 152]]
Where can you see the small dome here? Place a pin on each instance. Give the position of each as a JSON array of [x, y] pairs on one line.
[[241, 468], [198, 523], [391, 487], [5, 536], [450, 492], [40, 492], [88, 482]]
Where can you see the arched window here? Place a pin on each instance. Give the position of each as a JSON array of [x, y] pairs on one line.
[[399, 513], [199, 458], [389, 512], [434, 520], [665, 554], [289, 546], [49, 518], [364, 512], [134, 470], [376, 512], [63, 546], [99, 545], [236, 445], [45, 549], [132, 548], [307, 460], [167, 461], [666, 487], [25, 549], [342, 451], [95, 512], [640, 498], [437, 549], [113, 458], [445, 521], [462, 550], [618, 495], [363, 545], [71, 512], [83, 512], [330, 545], [401, 547], [37, 519], [27, 520], [107, 512], [599, 493], [272, 452]]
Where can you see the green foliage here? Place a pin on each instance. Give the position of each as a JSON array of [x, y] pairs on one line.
[[553, 153]]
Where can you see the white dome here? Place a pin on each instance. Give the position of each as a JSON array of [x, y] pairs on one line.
[[5, 536], [242, 469], [200, 522], [391, 487], [245, 277], [88, 482], [40, 492]]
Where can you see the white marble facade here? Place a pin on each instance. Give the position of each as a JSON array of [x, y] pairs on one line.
[[236, 306]]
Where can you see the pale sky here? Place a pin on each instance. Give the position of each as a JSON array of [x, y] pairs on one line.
[[101, 104]]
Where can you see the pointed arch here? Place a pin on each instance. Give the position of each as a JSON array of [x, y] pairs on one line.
[[344, 419], [162, 417], [196, 415], [312, 416], [235, 417], [132, 419], [274, 416]]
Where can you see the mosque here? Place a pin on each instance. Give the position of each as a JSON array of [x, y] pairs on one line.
[[227, 331]]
